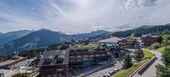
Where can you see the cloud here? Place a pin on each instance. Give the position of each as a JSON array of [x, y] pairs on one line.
[[76, 16], [150, 2], [140, 3]]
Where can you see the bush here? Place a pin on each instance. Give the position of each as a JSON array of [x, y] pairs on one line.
[[155, 46], [162, 49]]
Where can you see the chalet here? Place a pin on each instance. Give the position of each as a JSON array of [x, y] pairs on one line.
[[84, 58], [127, 43], [110, 41], [118, 46], [54, 63], [150, 39], [115, 41]]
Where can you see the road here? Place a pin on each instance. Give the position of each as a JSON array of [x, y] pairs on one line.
[[105, 70], [151, 71]]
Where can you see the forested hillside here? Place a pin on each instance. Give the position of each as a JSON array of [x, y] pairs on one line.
[[143, 30]]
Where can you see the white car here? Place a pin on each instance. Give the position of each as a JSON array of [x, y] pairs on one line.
[[115, 69], [103, 76], [108, 74]]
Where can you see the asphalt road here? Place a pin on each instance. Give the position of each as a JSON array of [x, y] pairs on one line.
[[151, 71], [105, 70]]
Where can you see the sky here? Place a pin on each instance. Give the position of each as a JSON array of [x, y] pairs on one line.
[[79, 16]]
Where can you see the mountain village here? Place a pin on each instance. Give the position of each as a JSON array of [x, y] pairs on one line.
[[110, 57]]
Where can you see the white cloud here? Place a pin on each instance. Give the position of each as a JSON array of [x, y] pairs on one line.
[[74, 16], [140, 3]]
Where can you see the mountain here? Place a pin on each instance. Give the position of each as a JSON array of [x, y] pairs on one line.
[[143, 30], [43, 38], [6, 37], [86, 36], [97, 33], [1, 33]]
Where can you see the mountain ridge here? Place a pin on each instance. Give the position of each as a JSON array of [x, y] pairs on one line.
[[9, 36], [44, 38]]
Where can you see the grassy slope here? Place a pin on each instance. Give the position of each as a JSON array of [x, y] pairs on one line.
[[123, 73], [90, 45], [161, 49], [148, 54]]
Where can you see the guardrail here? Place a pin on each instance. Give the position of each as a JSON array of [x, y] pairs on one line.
[[134, 72], [146, 66], [143, 67]]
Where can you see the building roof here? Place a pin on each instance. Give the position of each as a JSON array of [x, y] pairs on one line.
[[3, 71], [150, 35], [8, 73], [11, 61], [110, 40], [85, 49], [54, 57]]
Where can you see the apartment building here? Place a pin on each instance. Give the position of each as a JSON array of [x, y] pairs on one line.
[[83, 58], [150, 39], [54, 63], [127, 43]]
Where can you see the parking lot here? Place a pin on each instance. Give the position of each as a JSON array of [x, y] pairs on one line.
[[106, 70]]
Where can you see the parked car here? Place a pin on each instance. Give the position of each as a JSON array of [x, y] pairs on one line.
[[101, 75], [107, 75], [104, 75], [116, 69], [112, 72]]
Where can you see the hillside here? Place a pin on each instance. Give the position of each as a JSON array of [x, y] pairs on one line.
[[143, 30], [146, 29], [6, 37], [43, 38]]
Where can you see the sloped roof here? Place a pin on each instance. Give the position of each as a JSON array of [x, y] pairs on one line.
[[51, 55], [11, 61], [110, 40]]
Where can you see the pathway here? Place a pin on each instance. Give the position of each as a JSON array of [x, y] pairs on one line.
[[151, 71]]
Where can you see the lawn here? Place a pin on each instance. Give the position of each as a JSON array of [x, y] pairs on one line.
[[78, 45], [161, 49], [89, 45], [92, 45], [123, 73], [148, 54]]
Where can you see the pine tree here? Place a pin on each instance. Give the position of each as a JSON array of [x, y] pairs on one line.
[[139, 53], [163, 70], [165, 32], [133, 36], [166, 57], [127, 61]]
